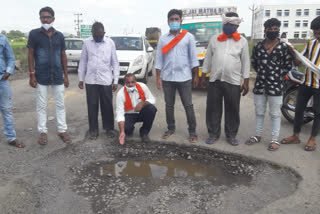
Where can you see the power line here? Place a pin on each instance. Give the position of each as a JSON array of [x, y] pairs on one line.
[[77, 22]]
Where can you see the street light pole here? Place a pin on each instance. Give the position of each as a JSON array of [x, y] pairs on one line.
[[78, 21], [253, 9]]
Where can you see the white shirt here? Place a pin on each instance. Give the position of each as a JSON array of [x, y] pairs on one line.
[[227, 61], [99, 63], [135, 99]]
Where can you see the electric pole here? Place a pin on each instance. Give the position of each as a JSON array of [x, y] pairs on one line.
[[77, 22], [253, 9]]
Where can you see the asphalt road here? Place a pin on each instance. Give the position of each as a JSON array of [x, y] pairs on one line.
[[18, 162]]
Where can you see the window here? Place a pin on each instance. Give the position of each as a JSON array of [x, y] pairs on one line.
[[285, 23], [306, 12], [267, 13], [286, 12], [305, 23], [304, 34], [298, 12], [297, 23], [317, 12], [296, 35], [279, 12]]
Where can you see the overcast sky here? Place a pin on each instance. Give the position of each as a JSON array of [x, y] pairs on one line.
[[118, 16]]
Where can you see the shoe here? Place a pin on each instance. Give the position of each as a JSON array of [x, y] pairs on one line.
[[145, 138], [110, 133]]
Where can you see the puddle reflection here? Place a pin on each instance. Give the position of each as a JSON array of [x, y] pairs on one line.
[[160, 169]]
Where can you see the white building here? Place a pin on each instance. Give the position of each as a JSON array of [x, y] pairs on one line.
[[295, 19]]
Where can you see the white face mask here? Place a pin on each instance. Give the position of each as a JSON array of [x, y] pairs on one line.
[[46, 26], [130, 89]]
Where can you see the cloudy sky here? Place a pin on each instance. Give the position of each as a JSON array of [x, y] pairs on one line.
[[118, 16]]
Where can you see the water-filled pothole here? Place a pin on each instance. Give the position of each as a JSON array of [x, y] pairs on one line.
[[167, 178]]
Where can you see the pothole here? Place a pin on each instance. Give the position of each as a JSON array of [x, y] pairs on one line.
[[167, 178]]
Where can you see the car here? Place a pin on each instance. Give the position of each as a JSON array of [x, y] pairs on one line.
[[73, 51], [135, 55]]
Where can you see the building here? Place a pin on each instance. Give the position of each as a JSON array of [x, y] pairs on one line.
[[295, 19]]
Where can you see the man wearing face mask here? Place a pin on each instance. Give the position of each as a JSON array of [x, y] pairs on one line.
[[99, 69], [272, 61], [48, 67], [227, 60], [135, 103], [175, 62]]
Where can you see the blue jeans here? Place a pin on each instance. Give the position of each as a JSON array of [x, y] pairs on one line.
[[6, 110], [275, 103]]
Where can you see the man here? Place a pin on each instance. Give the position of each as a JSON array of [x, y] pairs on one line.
[[48, 67], [7, 64], [272, 61], [175, 62], [227, 60], [309, 88], [99, 68], [135, 103]]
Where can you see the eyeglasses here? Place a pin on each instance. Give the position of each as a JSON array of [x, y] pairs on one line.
[[45, 17]]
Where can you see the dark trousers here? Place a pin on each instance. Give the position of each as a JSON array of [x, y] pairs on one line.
[[304, 94], [146, 115], [99, 94], [217, 93], [185, 92]]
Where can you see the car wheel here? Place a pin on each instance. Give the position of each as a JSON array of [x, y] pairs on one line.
[[145, 78], [150, 73]]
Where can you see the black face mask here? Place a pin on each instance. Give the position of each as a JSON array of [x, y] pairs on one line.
[[98, 38], [272, 35]]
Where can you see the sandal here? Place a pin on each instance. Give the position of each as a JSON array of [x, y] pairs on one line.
[[253, 140], [233, 141], [167, 134], [290, 140], [65, 137], [271, 148], [16, 143], [310, 148], [193, 138], [43, 139], [211, 140]]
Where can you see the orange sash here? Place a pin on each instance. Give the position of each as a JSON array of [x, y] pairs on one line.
[[165, 49], [128, 104], [223, 37]]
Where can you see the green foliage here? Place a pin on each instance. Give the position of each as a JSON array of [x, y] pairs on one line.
[[15, 34]]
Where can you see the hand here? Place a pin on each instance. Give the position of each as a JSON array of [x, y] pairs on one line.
[[114, 87], [33, 81], [5, 76], [66, 82], [244, 88], [139, 106], [80, 85], [195, 81], [121, 138], [203, 82], [159, 86]]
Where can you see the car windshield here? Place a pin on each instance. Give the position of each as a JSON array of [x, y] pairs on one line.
[[128, 43], [203, 35], [74, 44]]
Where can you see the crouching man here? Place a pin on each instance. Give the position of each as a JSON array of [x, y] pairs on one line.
[[135, 103]]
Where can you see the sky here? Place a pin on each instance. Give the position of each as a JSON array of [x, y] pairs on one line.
[[118, 16]]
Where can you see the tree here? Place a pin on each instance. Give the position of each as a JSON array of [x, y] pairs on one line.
[[15, 34], [3, 32]]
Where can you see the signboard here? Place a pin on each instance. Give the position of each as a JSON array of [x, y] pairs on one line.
[[201, 25], [85, 31], [207, 11]]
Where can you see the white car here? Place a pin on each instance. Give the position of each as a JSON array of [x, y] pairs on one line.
[[73, 51], [134, 55]]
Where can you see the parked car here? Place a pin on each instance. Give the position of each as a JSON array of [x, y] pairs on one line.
[[134, 55], [73, 51]]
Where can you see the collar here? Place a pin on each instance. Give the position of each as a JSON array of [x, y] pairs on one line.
[[174, 35], [92, 39], [44, 31]]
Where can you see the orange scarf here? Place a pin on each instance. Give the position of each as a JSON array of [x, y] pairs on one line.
[[128, 104], [165, 49], [223, 37]]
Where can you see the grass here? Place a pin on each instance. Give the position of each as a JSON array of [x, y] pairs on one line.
[[18, 44]]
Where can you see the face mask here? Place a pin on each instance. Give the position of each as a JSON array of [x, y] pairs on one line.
[[130, 89], [98, 38], [46, 26], [272, 34], [229, 29], [174, 26]]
